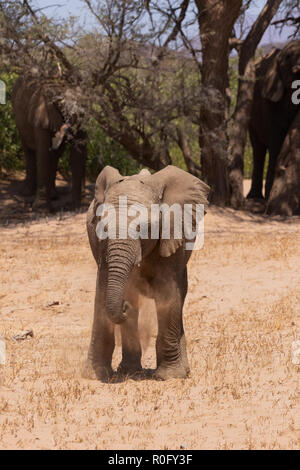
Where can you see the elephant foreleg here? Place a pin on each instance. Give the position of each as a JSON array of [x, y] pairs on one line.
[[172, 361], [131, 346], [259, 156], [30, 182], [274, 151], [103, 339], [43, 154]]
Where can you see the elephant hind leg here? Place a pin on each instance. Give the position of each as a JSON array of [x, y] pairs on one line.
[[259, 156], [102, 343], [274, 153], [43, 155]]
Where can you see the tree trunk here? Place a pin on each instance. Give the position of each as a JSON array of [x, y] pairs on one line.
[[216, 21], [242, 113], [192, 167], [285, 194], [238, 135]]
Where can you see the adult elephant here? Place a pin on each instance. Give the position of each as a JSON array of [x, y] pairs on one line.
[[43, 128], [129, 266], [273, 111]]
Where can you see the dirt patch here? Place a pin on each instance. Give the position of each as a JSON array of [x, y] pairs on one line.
[[241, 317]]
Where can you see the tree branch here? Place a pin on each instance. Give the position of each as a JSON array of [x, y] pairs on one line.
[[257, 31]]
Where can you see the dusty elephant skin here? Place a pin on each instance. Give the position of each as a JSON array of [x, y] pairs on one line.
[[273, 112], [153, 268], [285, 195], [42, 131]]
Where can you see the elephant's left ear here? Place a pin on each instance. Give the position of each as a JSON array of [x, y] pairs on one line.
[[107, 177], [273, 87], [176, 186]]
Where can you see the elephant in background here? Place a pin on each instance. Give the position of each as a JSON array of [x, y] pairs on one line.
[[155, 268], [273, 111], [43, 131], [285, 195]]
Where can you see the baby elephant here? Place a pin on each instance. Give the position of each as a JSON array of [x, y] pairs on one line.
[[150, 260]]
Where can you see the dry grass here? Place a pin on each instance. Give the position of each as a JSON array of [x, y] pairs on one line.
[[241, 317]]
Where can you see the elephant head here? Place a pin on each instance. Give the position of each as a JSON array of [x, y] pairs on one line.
[[168, 186], [284, 70]]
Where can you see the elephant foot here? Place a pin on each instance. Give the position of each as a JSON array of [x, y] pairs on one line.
[[129, 369], [75, 207], [255, 195], [171, 372], [95, 372], [28, 189], [54, 194], [41, 205]]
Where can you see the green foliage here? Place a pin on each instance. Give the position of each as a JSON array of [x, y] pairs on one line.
[[10, 147], [101, 151]]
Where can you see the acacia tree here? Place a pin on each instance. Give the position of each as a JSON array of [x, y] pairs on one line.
[[221, 154], [291, 17], [144, 95], [241, 117], [154, 74], [216, 21], [222, 140]]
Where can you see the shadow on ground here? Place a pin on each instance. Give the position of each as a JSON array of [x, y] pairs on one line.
[[144, 374], [17, 209]]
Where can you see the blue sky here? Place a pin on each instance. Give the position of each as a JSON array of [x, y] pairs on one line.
[[63, 8], [272, 34]]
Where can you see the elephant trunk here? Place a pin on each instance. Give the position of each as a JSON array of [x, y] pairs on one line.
[[122, 255]]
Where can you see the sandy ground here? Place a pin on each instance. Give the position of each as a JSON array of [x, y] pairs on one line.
[[242, 315]]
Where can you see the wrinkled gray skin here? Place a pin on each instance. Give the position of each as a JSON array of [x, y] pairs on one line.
[[39, 122], [153, 268], [273, 111]]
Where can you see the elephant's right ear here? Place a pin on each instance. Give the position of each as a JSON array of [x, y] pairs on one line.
[[107, 177], [176, 186], [273, 87]]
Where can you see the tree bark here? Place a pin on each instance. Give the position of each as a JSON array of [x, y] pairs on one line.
[[216, 21], [242, 113], [192, 167], [285, 194]]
